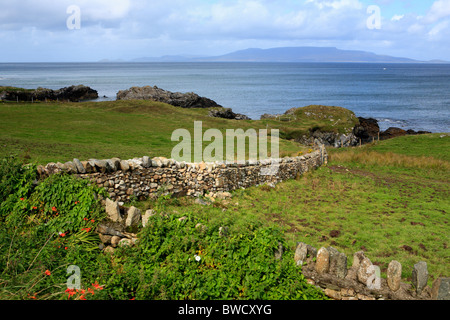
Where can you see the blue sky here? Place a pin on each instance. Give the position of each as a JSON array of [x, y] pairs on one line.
[[37, 30]]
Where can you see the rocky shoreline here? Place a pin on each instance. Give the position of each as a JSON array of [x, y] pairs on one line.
[[366, 131], [72, 94]]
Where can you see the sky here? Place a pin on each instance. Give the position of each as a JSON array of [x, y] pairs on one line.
[[91, 30]]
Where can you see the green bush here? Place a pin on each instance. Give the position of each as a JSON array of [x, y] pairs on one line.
[[188, 259], [44, 228]]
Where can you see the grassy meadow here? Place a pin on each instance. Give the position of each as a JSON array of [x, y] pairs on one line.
[[388, 198]]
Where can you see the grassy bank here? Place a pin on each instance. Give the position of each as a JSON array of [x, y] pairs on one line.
[[394, 206]]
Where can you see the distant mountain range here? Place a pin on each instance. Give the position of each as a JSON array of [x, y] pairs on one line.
[[291, 54]]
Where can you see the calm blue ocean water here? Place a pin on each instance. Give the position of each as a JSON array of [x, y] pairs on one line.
[[411, 96]]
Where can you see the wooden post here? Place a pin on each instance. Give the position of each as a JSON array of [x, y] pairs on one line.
[[360, 142]]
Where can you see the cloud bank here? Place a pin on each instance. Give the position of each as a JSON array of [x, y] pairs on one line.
[[32, 30]]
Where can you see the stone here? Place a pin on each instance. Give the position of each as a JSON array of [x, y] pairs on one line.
[[338, 263], [341, 265], [357, 258], [301, 253], [104, 238], [348, 292], [441, 289], [124, 166], [125, 242], [133, 217], [365, 271], [333, 294], [146, 162], [322, 261], [79, 165], [112, 210], [227, 113], [71, 167], [115, 241], [177, 99], [394, 275], [109, 250], [146, 216], [420, 276]]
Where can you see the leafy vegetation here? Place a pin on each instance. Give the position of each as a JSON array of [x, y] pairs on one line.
[[49, 227]]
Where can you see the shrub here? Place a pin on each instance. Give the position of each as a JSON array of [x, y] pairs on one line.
[[188, 259]]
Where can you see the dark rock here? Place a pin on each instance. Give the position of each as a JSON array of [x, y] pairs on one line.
[[177, 99], [392, 132], [72, 93], [227, 113], [367, 130], [420, 276]]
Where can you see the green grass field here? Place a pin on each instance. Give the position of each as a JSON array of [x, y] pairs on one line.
[[390, 198], [51, 132]]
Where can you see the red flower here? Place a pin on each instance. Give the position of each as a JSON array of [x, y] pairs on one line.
[[34, 208], [92, 220], [22, 199], [47, 272], [86, 229], [97, 286], [82, 298], [62, 234], [85, 219], [54, 209]]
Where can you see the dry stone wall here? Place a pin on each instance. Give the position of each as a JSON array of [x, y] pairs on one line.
[[143, 178], [327, 268]]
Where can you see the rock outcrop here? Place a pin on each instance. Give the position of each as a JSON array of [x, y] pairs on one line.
[[367, 130], [227, 113], [72, 94], [177, 99]]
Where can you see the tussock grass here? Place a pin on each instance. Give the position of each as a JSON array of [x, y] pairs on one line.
[[369, 157]]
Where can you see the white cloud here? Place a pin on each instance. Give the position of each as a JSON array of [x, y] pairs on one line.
[[439, 10], [397, 17]]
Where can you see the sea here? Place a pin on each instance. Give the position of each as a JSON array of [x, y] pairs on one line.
[[408, 96]]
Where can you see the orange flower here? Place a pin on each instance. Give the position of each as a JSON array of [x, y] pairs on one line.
[[86, 229], [47, 272], [82, 298], [97, 286], [22, 199], [62, 234], [91, 291], [54, 209], [34, 208]]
